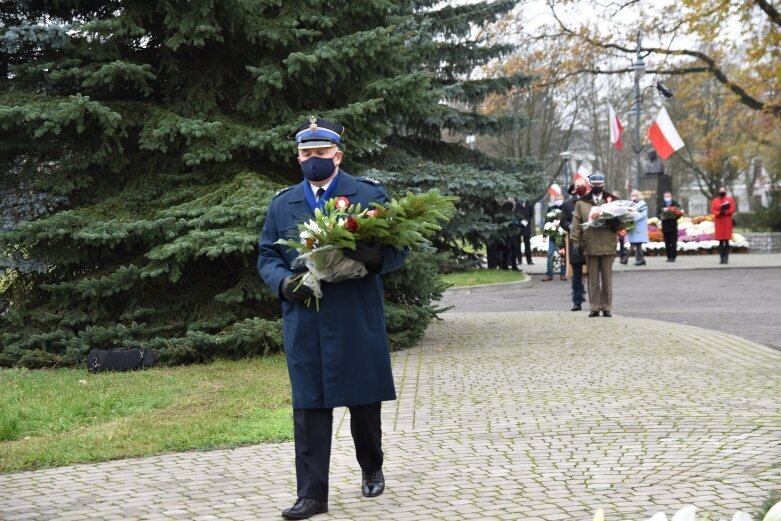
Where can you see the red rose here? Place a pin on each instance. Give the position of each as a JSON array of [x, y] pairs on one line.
[[351, 225]]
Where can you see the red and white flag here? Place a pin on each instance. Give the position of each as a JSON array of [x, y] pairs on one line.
[[554, 190], [663, 135], [616, 128], [583, 172]]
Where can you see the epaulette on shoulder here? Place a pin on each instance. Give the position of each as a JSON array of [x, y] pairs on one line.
[[369, 180], [283, 190]]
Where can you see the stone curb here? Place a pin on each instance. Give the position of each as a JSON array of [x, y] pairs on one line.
[[504, 286], [484, 288]]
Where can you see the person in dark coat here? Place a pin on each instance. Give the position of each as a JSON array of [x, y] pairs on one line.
[[669, 225], [576, 258], [524, 217], [509, 241], [338, 355]]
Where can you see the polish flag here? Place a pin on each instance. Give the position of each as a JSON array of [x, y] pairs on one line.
[[583, 172], [616, 128], [663, 135], [554, 190]]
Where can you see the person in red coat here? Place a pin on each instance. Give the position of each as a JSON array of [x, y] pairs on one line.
[[722, 208]]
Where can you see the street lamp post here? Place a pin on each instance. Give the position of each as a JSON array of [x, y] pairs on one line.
[[639, 69], [565, 157]]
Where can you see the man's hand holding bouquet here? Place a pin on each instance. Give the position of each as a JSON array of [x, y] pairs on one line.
[[616, 214], [671, 212], [344, 241]]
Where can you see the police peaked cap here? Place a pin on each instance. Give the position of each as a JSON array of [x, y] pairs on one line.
[[317, 133]]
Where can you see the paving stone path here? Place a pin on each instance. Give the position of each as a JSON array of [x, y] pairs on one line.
[[533, 416]]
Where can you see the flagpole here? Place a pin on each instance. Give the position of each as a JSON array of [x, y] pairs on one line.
[[639, 68]]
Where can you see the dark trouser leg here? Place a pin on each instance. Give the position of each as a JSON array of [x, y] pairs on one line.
[[671, 244], [492, 255], [639, 254], [514, 245], [504, 256], [366, 428], [621, 246], [549, 262], [577, 284], [312, 429], [527, 247]]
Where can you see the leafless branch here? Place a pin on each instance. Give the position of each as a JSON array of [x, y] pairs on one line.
[[771, 11], [712, 66]]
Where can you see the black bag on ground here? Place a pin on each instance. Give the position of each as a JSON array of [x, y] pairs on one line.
[[120, 359]]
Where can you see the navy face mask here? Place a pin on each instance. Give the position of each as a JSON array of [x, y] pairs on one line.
[[318, 168], [596, 190]]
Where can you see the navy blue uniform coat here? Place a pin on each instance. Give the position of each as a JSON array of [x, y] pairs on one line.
[[338, 356]]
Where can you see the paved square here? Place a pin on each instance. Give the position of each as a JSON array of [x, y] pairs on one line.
[[534, 416]]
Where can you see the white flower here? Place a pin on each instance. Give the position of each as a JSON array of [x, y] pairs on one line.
[[313, 227], [774, 514], [687, 513]]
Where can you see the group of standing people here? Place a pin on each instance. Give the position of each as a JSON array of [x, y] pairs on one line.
[[513, 220], [595, 248]]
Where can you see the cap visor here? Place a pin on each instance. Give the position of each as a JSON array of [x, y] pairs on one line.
[[316, 144]]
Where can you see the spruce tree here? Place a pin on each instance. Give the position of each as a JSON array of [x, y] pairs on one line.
[[142, 141]]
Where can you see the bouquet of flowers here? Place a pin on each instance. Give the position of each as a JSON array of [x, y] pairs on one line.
[[400, 223], [552, 227], [553, 230], [604, 215], [671, 212]]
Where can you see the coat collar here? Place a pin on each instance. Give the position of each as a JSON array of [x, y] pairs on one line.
[[588, 198], [297, 205]]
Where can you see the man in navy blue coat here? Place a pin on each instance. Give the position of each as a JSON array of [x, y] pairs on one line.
[[338, 355]]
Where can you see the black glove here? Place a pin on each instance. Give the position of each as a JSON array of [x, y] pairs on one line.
[[369, 253], [294, 291]]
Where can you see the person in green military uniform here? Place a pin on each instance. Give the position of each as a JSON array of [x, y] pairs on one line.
[[598, 245]]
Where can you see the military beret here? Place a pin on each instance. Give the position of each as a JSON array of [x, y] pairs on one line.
[[317, 133]]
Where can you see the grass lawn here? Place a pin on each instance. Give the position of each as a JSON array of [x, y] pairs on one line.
[[482, 276], [59, 417]]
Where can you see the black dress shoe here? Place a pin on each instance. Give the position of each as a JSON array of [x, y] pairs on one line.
[[305, 508], [373, 484], [640, 263], [607, 313], [593, 314], [576, 307]]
